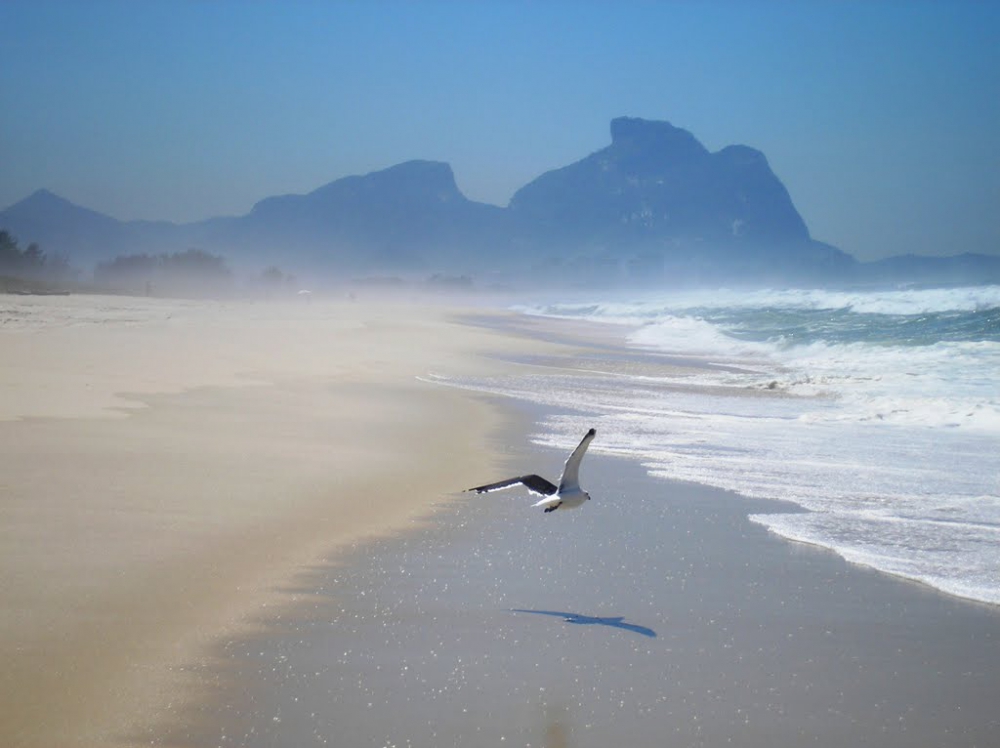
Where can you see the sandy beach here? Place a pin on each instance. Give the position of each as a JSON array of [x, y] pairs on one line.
[[168, 465], [657, 616], [240, 525]]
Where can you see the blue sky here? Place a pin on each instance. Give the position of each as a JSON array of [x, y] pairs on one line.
[[881, 118]]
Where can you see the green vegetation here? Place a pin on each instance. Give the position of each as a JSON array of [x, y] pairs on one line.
[[189, 273], [30, 270]]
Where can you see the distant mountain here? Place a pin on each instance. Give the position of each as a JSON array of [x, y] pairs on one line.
[[656, 181], [654, 206], [409, 216], [83, 236], [657, 199], [61, 227]]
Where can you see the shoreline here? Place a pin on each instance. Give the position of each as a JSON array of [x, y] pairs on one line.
[[704, 627], [873, 505]]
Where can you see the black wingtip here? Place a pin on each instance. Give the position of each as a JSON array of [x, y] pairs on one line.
[[592, 432]]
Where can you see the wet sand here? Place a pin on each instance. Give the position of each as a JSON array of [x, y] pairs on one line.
[[165, 467], [656, 615]]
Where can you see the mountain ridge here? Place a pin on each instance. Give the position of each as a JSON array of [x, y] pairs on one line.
[[653, 206]]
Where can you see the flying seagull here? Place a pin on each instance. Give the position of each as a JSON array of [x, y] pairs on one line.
[[566, 495]]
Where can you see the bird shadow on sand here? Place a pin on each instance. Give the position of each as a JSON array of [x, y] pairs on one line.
[[578, 618]]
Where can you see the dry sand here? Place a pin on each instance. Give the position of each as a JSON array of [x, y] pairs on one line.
[[166, 466]]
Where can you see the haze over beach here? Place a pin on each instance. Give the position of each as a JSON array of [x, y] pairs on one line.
[[279, 282]]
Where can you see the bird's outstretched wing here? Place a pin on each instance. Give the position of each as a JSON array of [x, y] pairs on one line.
[[571, 471], [534, 483]]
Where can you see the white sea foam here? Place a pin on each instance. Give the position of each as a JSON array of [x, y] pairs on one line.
[[886, 301], [890, 440], [946, 383]]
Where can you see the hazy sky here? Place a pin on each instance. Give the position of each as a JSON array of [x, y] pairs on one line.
[[881, 118]]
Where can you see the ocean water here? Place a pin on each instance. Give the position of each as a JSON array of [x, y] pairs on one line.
[[876, 412]]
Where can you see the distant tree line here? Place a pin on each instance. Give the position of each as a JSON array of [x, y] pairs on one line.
[[192, 272], [274, 280], [31, 263]]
